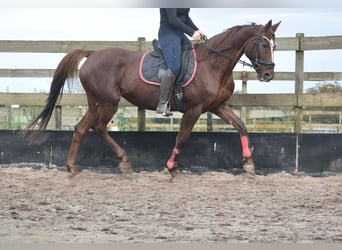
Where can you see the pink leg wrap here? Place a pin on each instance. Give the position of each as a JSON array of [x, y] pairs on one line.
[[171, 162], [246, 153]]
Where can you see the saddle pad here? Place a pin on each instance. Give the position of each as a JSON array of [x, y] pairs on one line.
[[152, 67]]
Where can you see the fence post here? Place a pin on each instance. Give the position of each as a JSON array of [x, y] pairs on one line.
[[209, 122], [9, 116], [299, 78], [141, 111], [244, 78], [58, 116]]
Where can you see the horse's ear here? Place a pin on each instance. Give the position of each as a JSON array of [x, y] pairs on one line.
[[275, 26], [268, 26]]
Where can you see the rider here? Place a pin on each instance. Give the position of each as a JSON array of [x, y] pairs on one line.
[[174, 24]]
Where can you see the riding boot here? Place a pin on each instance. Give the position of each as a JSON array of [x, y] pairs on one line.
[[166, 87]]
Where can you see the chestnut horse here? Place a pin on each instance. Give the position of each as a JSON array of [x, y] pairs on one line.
[[109, 74]]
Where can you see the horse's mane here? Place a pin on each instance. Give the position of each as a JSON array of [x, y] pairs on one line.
[[229, 37], [232, 34]]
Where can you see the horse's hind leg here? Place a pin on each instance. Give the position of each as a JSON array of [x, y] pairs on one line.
[[227, 114], [105, 115], [81, 130]]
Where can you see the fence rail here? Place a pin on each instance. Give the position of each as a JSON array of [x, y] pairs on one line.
[[239, 100], [300, 42], [298, 100]]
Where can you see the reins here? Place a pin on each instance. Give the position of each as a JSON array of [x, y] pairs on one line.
[[257, 62], [244, 63]]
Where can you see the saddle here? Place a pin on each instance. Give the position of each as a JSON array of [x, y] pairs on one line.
[[152, 68]]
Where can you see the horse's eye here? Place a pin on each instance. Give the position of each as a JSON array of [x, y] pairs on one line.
[[264, 46]]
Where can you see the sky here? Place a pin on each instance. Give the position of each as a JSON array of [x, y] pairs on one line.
[[127, 24]]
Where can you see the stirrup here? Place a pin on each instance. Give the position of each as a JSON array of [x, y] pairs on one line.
[[163, 109], [165, 113]]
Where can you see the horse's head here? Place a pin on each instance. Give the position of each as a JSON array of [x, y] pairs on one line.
[[259, 49]]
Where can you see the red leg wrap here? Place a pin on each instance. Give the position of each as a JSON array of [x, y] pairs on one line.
[[246, 153], [170, 163]]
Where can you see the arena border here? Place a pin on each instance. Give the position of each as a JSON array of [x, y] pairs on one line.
[[205, 151]]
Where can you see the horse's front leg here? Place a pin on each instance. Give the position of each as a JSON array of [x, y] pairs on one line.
[[227, 114], [187, 123]]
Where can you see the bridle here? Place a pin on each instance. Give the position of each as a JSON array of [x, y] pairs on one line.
[[256, 65]]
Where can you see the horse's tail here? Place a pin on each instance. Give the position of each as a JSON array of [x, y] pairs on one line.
[[67, 68]]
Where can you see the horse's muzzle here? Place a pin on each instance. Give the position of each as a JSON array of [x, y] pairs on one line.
[[265, 76], [265, 70]]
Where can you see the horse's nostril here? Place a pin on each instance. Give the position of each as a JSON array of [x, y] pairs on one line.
[[268, 76]]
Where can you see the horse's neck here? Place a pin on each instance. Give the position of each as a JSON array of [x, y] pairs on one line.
[[228, 48], [225, 51], [232, 43]]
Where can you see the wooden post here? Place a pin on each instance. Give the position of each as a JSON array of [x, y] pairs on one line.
[[299, 78], [58, 116], [310, 123], [141, 119], [141, 111], [9, 116], [244, 78], [209, 122]]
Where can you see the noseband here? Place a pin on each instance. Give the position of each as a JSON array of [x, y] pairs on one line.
[[257, 63]]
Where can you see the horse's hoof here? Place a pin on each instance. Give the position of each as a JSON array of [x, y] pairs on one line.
[[74, 173], [126, 171], [174, 173], [126, 168], [249, 168]]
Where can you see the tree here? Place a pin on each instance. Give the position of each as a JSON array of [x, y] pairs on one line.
[[325, 87]]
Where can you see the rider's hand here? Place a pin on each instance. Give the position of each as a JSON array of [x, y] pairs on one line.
[[198, 35]]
